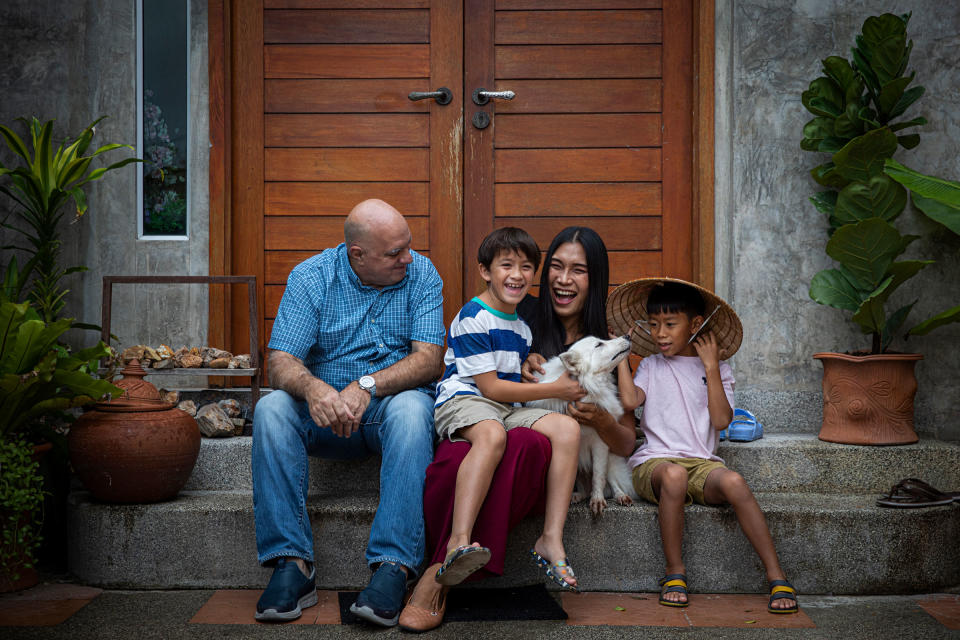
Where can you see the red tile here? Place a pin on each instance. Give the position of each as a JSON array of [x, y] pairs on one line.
[[237, 606], [944, 607], [705, 610], [37, 613]]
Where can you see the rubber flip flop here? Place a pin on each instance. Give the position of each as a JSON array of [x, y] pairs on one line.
[[460, 563], [744, 427], [912, 493]]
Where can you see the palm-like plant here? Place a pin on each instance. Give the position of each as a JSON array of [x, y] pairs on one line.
[[42, 186]]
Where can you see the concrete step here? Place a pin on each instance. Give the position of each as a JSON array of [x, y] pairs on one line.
[[799, 463], [837, 543]]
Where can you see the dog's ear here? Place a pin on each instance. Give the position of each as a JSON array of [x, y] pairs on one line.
[[571, 360]]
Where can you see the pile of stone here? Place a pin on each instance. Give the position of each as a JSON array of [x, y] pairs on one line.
[[163, 357], [216, 419]]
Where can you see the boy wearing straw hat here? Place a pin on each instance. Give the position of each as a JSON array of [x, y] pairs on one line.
[[687, 393]]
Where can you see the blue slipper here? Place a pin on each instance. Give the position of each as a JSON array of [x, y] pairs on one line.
[[744, 427]]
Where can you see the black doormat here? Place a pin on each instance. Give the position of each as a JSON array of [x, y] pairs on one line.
[[475, 605]]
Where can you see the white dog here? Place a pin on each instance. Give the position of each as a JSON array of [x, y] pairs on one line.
[[590, 361]]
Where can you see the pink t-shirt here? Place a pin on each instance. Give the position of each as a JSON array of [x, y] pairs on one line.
[[676, 420]]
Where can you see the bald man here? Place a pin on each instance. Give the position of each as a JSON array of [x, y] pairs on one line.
[[355, 350]]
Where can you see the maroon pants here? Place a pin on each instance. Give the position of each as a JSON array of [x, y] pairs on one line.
[[517, 489]]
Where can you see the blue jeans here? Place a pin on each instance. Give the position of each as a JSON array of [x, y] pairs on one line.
[[399, 427]]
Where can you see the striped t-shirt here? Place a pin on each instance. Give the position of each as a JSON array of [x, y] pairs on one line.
[[482, 339]]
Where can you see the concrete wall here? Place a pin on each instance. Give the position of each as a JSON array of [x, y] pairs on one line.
[[74, 62], [770, 237]]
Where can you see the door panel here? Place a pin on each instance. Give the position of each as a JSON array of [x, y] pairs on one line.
[[599, 133]]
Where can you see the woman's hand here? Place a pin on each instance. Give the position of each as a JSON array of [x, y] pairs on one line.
[[533, 363]]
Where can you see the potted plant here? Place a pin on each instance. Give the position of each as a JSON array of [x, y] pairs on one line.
[[46, 181], [868, 396], [38, 379]]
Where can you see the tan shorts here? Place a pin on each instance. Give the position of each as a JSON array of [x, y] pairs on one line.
[[465, 411], [697, 471]]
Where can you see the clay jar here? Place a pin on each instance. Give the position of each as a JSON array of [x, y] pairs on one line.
[[135, 448], [868, 399]]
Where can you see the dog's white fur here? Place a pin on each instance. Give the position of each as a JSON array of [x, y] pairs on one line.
[[590, 360]]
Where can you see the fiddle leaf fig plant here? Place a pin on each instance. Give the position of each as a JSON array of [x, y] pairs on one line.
[[857, 106]]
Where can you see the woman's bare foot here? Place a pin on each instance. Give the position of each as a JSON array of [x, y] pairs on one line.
[[552, 550]]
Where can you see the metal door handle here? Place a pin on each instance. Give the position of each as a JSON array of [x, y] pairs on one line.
[[441, 95], [481, 96]]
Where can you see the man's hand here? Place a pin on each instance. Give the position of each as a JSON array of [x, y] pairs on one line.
[[533, 364], [356, 400], [328, 410]]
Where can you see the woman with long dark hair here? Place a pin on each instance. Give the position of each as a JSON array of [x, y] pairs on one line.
[[571, 305]]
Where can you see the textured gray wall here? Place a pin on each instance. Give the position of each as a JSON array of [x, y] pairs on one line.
[[771, 239], [74, 62]]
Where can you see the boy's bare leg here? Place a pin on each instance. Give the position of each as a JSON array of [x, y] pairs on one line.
[[564, 435], [488, 439], [726, 486], [670, 486]]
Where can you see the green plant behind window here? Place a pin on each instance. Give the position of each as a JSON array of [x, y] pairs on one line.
[[46, 181]]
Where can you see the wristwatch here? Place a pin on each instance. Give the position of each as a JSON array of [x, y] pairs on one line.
[[368, 384]]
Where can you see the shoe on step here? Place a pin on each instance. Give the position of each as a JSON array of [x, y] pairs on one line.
[[287, 594], [382, 600], [744, 427]]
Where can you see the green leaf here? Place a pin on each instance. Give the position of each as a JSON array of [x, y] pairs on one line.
[[884, 44], [890, 95], [881, 197], [842, 73], [15, 143], [870, 315], [825, 201], [849, 125], [823, 97], [945, 317], [909, 141], [908, 123], [833, 288], [894, 322], [940, 212], [818, 128], [863, 157], [827, 175], [908, 98], [939, 189], [867, 249]]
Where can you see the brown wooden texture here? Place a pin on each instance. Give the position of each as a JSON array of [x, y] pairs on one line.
[[703, 136], [585, 61], [344, 96], [580, 27], [347, 4], [246, 198], [581, 96], [478, 174], [637, 233], [532, 131], [218, 38], [347, 130], [578, 199], [346, 26], [630, 265], [678, 141], [577, 165], [346, 61], [577, 4], [308, 233], [346, 164], [338, 198]]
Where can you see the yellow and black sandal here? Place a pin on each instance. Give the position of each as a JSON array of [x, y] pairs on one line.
[[779, 590], [673, 583]]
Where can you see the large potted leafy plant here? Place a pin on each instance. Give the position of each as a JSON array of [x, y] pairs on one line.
[[42, 185], [858, 105], [38, 379]]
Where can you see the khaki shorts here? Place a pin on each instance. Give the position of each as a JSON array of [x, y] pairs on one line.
[[465, 411], [697, 469]]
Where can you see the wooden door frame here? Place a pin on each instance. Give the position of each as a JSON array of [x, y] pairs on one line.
[[228, 18]]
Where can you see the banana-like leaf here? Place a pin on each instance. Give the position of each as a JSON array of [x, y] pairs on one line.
[[939, 212], [946, 317], [881, 197], [15, 143], [863, 157], [833, 288], [867, 249], [940, 189]]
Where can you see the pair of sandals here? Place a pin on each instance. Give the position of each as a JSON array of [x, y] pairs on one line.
[[743, 428], [913, 492], [677, 583]]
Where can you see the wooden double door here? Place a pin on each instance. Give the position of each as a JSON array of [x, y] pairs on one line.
[[317, 115]]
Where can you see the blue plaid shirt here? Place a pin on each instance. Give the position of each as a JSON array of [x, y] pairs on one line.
[[342, 329]]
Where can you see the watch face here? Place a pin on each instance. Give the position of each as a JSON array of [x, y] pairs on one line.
[[367, 382]]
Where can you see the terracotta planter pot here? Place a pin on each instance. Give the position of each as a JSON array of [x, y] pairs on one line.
[[868, 399], [137, 448]]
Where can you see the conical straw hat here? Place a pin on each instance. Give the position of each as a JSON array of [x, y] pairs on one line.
[[628, 304]]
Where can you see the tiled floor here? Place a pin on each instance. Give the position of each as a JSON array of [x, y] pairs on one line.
[[944, 607], [705, 610], [236, 606], [45, 605]]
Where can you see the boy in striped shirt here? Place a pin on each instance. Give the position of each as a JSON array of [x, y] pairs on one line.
[[480, 398]]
